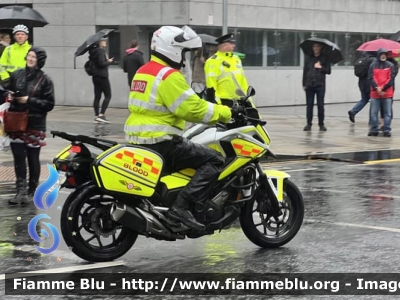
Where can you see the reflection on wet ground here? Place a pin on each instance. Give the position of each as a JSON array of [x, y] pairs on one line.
[[363, 156], [351, 225]]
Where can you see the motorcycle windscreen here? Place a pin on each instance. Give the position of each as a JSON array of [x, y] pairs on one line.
[[128, 169]]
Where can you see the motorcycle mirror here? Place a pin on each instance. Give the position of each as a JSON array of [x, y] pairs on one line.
[[240, 93], [251, 91]]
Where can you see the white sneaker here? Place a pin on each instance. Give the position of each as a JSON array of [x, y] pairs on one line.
[[102, 119]]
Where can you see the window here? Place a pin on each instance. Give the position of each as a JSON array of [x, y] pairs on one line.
[[113, 44], [282, 48], [250, 43]]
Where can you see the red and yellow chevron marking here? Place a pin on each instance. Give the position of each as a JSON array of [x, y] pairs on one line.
[[244, 148], [144, 162]]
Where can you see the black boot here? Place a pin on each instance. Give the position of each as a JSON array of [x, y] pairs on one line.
[[22, 194], [184, 216], [32, 188]]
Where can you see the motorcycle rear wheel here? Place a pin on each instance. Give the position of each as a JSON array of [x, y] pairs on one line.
[[93, 222], [293, 213]]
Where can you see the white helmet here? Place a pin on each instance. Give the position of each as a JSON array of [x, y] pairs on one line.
[[169, 43], [22, 28]]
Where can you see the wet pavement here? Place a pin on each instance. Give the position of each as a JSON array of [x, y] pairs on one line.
[[351, 196], [351, 225]]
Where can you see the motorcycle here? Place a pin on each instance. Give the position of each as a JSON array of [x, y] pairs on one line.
[[123, 190]]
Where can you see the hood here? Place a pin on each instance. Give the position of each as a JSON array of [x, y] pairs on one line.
[[380, 51], [41, 56], [131, 50]]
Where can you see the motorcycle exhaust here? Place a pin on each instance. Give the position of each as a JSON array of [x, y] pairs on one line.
[[128, 217], [139, 221]]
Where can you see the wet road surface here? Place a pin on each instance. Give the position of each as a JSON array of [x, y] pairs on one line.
[[351, 224]]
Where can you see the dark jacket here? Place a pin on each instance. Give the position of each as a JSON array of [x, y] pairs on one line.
[[132, 62], [23, 81], [377, 68], [313, 76], [100, 62]]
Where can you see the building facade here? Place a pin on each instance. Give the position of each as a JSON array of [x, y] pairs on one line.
[[268, 32]]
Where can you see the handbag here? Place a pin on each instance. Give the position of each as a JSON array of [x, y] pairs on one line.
[[17, 121]]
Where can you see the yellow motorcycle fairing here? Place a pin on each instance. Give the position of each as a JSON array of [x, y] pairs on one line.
[[128, 169], [276, 179]]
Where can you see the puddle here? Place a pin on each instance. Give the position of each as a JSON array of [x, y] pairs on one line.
[[359, 157]]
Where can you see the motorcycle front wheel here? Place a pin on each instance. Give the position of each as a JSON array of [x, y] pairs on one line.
[[87, 227], [263, 230]]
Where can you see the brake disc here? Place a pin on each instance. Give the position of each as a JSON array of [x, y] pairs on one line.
[[98, 222]]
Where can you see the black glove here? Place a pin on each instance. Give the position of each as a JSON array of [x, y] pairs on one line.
[[236, 110], [211, 95], [5, 83]]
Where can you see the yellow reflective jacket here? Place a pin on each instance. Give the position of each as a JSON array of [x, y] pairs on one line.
[[224, 72], [13, 58], [160, 101]]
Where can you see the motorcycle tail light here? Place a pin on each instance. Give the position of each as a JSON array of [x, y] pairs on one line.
[[71, 181], [75, 149]]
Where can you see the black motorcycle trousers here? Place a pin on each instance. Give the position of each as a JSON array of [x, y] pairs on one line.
[[180, 153]]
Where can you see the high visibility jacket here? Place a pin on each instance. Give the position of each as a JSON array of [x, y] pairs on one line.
[[224, 72], [160, 102], [13, 58]]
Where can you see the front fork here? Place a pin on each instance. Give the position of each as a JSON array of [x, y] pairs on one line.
[[266, 189]]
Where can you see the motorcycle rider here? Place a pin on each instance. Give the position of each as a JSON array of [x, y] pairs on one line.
[[160, 103]]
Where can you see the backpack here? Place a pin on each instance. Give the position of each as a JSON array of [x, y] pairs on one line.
[[89, 68], [361, 66]]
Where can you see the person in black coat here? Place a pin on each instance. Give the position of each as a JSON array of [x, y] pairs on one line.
[[132, 61], [316, 67], [32, 90], [100, 79]]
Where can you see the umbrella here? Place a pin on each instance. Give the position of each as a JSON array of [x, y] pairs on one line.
[[13, 15], [331, 50], [90, 41], [396, 36], [208, 39], [373, 46]]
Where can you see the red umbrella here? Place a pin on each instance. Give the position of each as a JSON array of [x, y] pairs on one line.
[[373, 46]]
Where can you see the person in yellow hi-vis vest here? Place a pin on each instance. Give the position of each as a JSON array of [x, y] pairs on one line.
[[160, 102], [14, 56], [224, 73]]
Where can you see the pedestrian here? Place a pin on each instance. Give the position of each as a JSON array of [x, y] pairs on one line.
[[198, 83], [13, 57], [101, 83], [361, 69], [381, 76], [198, 62], [224, 73], [395, 72], [316, 67], [33, 91], [5, 41], [133, 60]]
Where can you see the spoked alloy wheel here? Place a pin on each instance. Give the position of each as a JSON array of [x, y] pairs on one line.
[[88, 230], [263, 230]]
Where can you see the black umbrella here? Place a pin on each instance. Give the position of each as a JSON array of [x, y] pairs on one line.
[[331, 50], [208, 39], [90, 42], [13, 15], [395, 37]]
